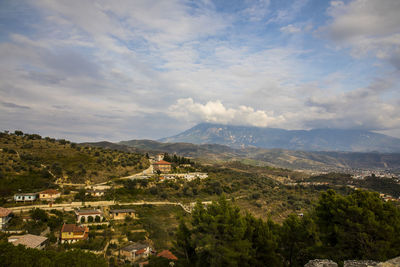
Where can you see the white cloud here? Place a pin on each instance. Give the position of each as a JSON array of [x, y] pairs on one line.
[[288, 14], [367, 26], [257, 10], [216, 112], [290, 29], [114, 68]]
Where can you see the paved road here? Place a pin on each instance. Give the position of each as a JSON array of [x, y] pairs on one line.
[[147, 171]]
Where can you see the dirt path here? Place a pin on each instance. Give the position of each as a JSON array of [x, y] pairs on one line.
[[73, 205]]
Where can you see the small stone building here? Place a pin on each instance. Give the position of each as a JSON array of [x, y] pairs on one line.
[[121, 214], [49, 194]]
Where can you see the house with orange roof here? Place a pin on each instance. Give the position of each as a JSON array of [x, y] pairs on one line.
[[5, 217], [71, 233], [162, 166], [49, 194]]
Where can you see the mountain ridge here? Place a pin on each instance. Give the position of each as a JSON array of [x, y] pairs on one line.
[[345, 140]]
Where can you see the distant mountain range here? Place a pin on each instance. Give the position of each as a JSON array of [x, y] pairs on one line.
[[299, 140], [304, 160]]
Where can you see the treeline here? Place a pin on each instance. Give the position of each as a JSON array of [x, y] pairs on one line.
[[177, 159], [11, 255], [357, 226]]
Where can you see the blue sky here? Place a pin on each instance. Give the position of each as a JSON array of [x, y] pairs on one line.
[[117, 70]]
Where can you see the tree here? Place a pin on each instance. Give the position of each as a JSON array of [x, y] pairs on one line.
[[11, 255], [358, 226], [81, 195], [220, 236], [298, 238], [39, 215], [83, 220], [18, 133], [184, 242]]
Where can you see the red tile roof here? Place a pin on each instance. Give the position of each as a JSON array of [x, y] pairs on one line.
[[88, 212], [4, 212], [73, 228], [162, 162], [50, 192], [167, 254]]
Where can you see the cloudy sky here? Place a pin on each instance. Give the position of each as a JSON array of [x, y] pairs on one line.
[[116, 70]]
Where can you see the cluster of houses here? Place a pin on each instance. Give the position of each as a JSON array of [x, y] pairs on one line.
[[28, 240], [187, 176], [387, 198], [46, 195], [70, 233]]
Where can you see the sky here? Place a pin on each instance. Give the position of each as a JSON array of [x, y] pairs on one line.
[[118, 70]]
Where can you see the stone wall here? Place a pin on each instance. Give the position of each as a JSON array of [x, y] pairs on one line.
[[321, 263], [354, 263]]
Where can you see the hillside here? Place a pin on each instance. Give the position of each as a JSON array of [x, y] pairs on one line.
[[312, 140], [29, 162], [304, 160]]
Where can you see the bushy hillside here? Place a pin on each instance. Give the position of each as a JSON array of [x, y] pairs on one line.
[[29, 162]]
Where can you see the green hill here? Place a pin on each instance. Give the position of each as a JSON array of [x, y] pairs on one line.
[[29, 162]]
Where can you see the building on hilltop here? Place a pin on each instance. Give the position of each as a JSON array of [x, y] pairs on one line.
[[30, 241], [5, 217], [159, 157], [162, 166], [71, 233]]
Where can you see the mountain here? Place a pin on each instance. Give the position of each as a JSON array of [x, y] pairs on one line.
[[300, 160], [311, 140]]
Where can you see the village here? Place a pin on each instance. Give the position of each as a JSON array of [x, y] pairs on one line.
[[54, 218]]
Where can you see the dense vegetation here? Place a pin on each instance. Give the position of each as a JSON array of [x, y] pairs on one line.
[[11, 255], [357, 226], [31, 163], [378, 184]]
